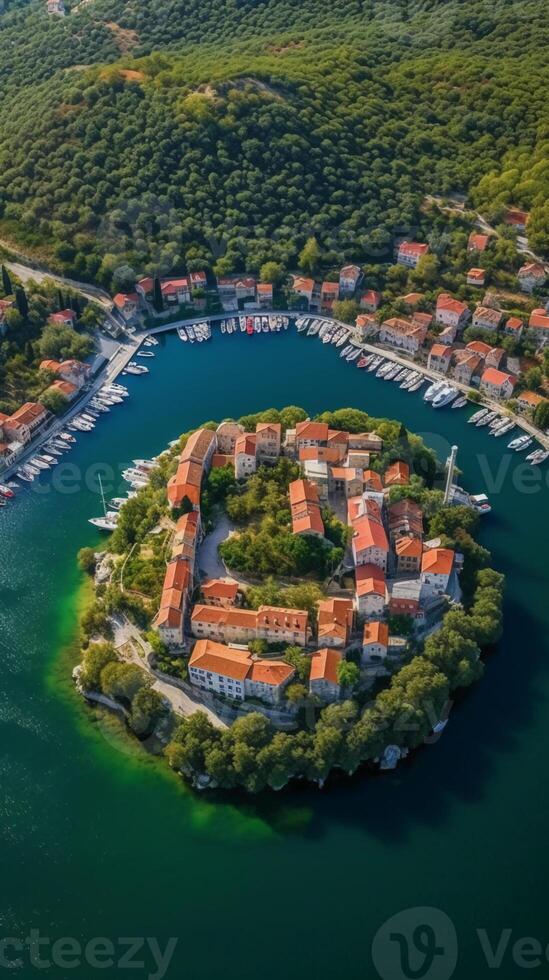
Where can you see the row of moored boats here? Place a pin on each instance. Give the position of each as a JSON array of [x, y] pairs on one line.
[[501, 425], [234, 324], [137, 476]]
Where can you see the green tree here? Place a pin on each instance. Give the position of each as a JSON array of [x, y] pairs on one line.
[[122, 680], [541, 416], [272, 272], [86, 560], [348, 674], [55, 401], [94, 660], [22, 302], [6, 282], [309, 257]]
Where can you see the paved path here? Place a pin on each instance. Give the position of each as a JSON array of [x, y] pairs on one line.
[[209, 561]]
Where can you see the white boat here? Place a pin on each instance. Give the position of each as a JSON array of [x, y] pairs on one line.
[[346, 350], [25, 474], [502, 430], [433, 390], [382, 370], [67, 437], [105, 523], [353, 354], [480, 503], [6, 491], [460, 402], [539, 457], [417, 385], [392, 373], [486, 419], [444, 397], [342, 339], [144, 464], [39, 463], [137, 369], [374, 364], [145, 353], [402, 375], [520, 443], [478, 416]]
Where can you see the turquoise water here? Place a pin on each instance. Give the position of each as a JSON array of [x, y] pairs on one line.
[[98, 839]]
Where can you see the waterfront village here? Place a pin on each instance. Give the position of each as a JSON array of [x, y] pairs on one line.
[[396, 572], [491, 348]]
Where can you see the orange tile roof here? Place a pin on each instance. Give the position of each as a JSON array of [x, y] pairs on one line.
[[440, 350], [478, 242], [369, 580], [408, 547], [64, 387], [302, 491], [514, 323], [50, 366], [177, 575], [413, 248], [447, 302], [317, 431], [309, 523], [479, 347], [397, 474], [372, 481], [376, 632], [438, 561], [335, 617], [324, 664], [347, 473], [369, 534], [268, 427], [322, 454], [494, 377], [294, 619], [217, 588], [531, 398], [236, 618], [28, 413], [245, 445], [478, 274], [221, 459], [534, 270], [539, 319], [220, 659], [337, 437], [330, 287], [198, 445], [412, 299], [273, 672]]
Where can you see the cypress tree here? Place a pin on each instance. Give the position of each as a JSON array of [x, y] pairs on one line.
[[158, 301], [22, 302], [60, 299], [6, 282]]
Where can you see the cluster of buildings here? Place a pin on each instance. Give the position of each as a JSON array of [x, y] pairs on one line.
[[396, 572]]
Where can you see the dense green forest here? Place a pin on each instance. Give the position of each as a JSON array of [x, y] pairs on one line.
[[226, 132]]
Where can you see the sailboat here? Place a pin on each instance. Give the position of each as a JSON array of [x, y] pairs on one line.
[[110, 519]]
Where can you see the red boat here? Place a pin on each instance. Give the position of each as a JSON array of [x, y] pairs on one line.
[[249, 325], [363, 362], [5, 491]]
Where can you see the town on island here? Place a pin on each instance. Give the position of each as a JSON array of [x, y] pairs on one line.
[[63, 348], [285, 597]]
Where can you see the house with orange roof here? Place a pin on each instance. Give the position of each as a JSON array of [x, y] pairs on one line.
[[349, 278], [219, 592], [337, 438], [329, 293], [176, 291], [369, 543], [436, 567], [267, 679], [421, 319], [518, 219], [528, 401], [397, 474], [538, 325], [185, 484], [477, 242], [127, 304], [63, 317], [408, 553], [219, 669], [370, 300], [303, 286], [531, 275], [310, 434], [264, 294], [514, 327], [487, 319], [245, 458], [75, 372], [268, 436], [468, 367], [226, 434], [440, 357], [410, 253], [347, 480], [411, 300], [365, 440], [497, 384], [371, 591], [323, 679], [372, 481], [322, 454], [279, 625], [402, 334], [22, 425], [359, 459], [492, 356], [305, 509], [375, 642], [452, 312], [369, 504], [170, 619], [405, 517], [50, 365], [64, 388], [335, 622], [367, 325], [200, 447], [476, 277], [224, 625]]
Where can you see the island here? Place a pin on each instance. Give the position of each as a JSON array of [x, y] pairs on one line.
[[286, 597]]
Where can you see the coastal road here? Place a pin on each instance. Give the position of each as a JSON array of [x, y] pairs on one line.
[[209, 561]]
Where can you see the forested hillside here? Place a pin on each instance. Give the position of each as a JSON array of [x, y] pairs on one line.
[[227, 131]]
